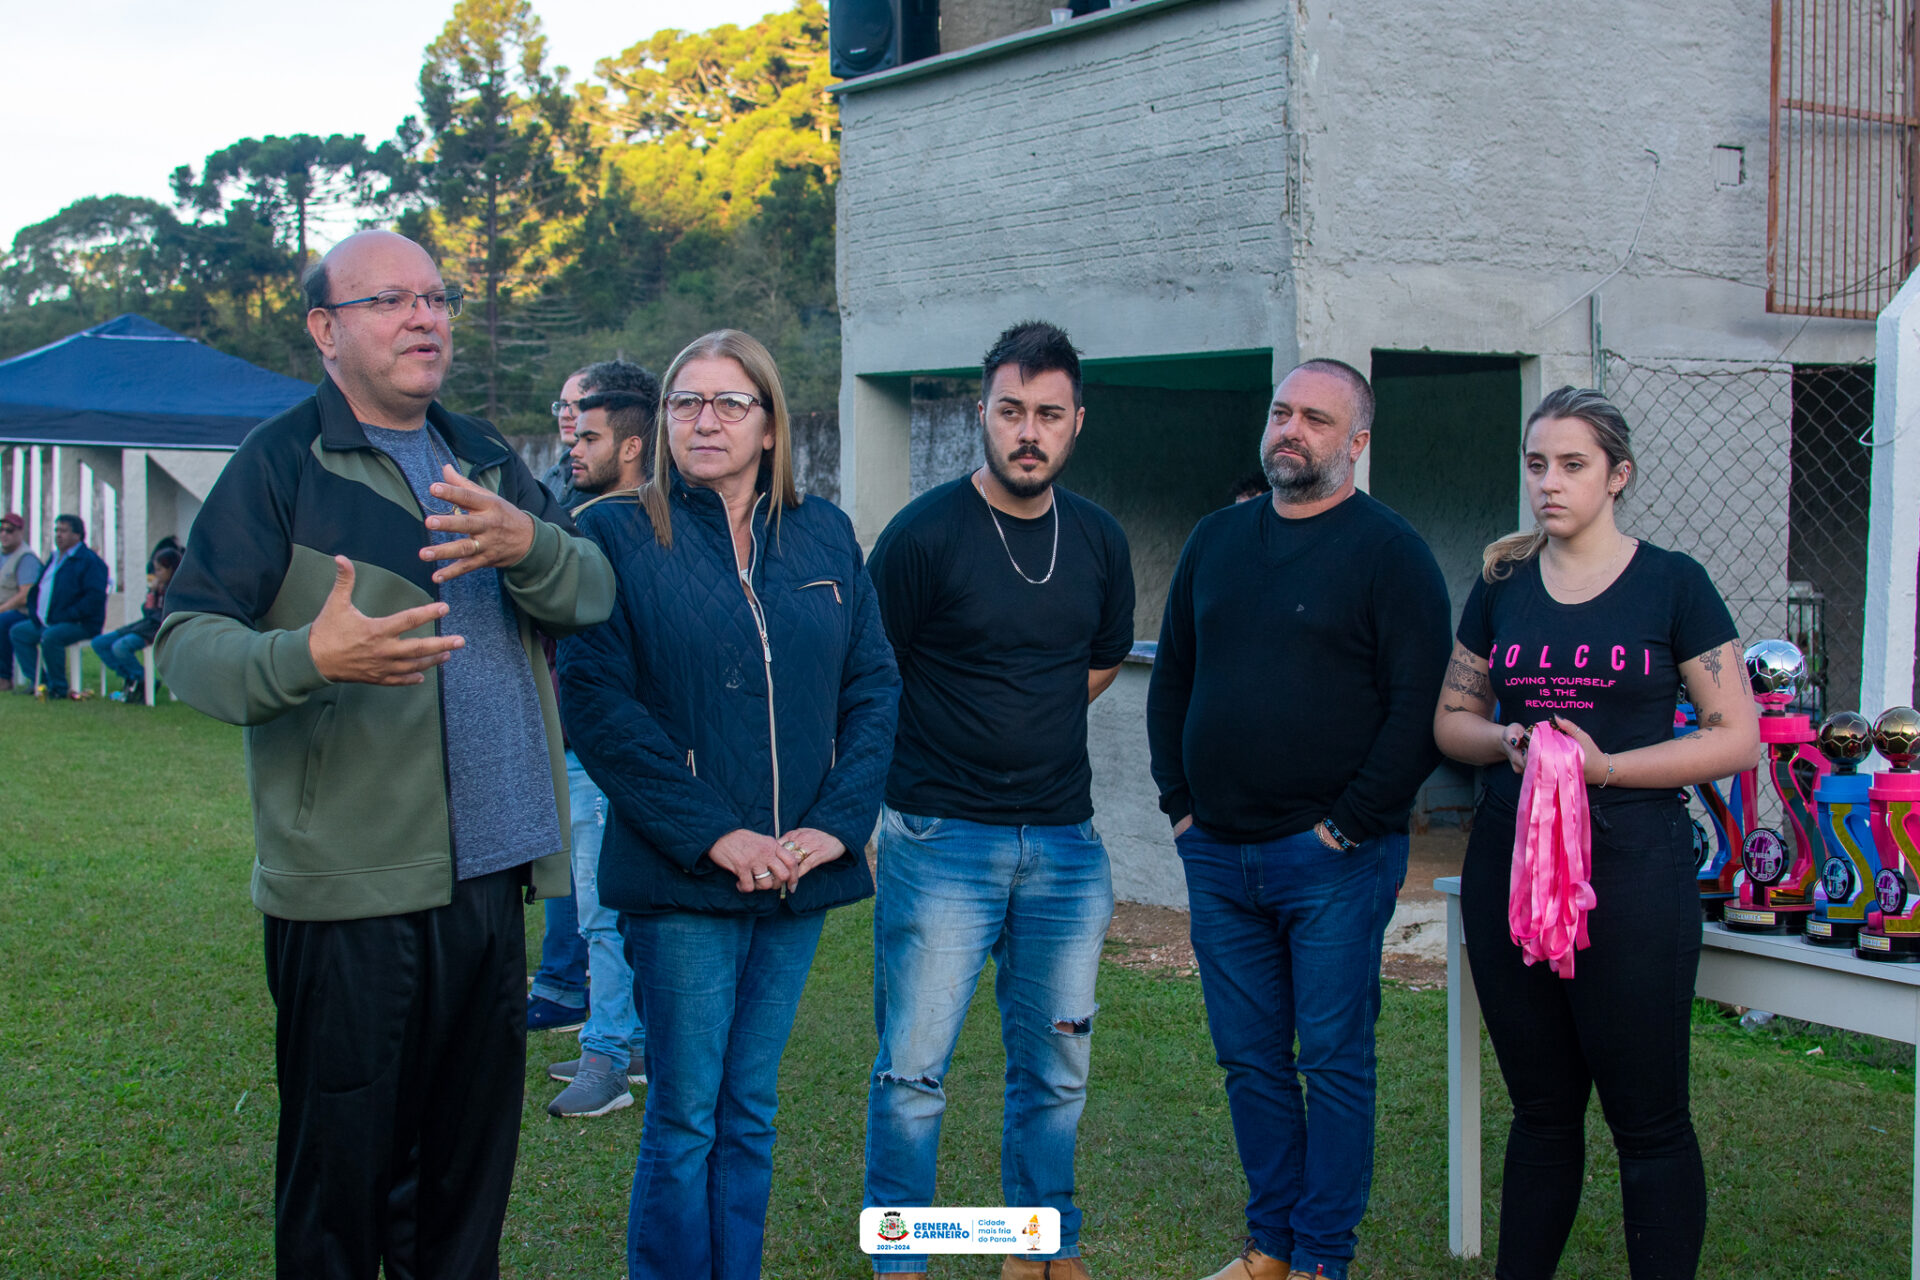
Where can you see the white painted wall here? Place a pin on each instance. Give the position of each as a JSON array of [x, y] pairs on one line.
[[1893, 537]]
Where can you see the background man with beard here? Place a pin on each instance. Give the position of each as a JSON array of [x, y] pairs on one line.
[[609, 453], [1325, 628], [1009, 602]]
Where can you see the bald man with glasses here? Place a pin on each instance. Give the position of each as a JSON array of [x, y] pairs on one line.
[[362, 591]]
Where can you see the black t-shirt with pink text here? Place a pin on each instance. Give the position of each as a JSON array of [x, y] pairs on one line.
[[1610, 664]]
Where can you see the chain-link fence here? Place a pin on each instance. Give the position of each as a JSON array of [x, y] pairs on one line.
[[1759, 472]]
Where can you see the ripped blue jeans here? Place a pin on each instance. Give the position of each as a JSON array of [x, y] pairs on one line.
[[951, 893]]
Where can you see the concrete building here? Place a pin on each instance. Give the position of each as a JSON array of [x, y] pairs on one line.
[[1475, 204]]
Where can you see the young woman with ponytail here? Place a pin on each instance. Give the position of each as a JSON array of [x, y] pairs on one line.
[[1577, 625]]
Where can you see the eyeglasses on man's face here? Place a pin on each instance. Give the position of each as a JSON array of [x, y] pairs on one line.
[[566, 408], [728, 406], [391, 302]]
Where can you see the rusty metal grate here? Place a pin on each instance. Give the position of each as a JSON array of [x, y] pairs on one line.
[[1843, 160]]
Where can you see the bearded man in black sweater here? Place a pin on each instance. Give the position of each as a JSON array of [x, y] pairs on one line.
[[1290, 712]]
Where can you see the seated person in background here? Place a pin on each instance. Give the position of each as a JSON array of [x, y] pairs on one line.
[[67, 605], [19, 570], [120, 650]]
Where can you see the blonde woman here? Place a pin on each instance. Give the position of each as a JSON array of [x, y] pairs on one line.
[[738, 711], [1578, 625]]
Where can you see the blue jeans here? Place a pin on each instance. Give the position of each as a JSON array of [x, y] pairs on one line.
[[613, 1024], [951, 893], [562, 975], [119, 652], [719, 995], [1288, 933], [52, 642]]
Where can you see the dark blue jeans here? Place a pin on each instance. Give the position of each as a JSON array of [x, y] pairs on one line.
[[52, 643], [718, 995], [562, 976], [8, 621], [1288, 933]]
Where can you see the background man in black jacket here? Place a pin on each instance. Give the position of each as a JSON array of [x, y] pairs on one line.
[[1288, 762], [68, 605]]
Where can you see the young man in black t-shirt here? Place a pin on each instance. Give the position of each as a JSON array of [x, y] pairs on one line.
[[1290, 720], [1009, 602]]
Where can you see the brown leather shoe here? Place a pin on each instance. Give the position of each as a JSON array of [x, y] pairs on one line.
[[1252, 1264], [1016, 1268]]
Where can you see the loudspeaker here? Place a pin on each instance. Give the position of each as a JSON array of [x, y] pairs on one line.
[[864, 36]]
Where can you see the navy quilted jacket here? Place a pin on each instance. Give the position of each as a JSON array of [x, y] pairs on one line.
[[694, 729]]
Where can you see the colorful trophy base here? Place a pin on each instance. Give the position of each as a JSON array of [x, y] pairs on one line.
[[1893, 948], [1713, 902], [1768, 919], [1822, 932]]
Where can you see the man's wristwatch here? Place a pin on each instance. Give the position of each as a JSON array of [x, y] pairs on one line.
[[1331, 833]]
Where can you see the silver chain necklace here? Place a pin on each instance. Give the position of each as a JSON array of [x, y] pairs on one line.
[[1052, 559]]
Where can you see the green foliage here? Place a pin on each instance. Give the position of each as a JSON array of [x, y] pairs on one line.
[[507, 160], [704, 123], [688, 186], [293, 179]]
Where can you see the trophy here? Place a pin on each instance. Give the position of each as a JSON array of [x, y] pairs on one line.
[[1892, 931], [1715, 841], [1782, 864], [1840, 805]]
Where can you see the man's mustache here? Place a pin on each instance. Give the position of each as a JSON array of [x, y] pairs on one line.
[[1027, 451]]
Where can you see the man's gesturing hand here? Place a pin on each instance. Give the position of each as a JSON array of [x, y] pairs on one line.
[[495, 533], [348, 647]]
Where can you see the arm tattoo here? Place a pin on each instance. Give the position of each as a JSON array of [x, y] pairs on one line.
[[1711, 661], [1462, 678], [1713, 721], [1448, 706]]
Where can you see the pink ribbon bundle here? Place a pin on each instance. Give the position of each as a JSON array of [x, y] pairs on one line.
[[1552, 854]]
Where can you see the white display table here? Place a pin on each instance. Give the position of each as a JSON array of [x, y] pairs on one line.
[[1782, 974]]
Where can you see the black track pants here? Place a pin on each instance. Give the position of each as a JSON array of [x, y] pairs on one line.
[[401, 1048], [1621, 1024]]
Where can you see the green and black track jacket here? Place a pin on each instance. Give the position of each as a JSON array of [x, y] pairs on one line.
[[349, 781]]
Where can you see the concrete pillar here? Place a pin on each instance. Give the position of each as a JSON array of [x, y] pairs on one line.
[[67, 462], [135, 537], [1893, 520], [876, 450]]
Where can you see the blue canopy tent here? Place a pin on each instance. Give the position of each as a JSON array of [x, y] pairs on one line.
[[134, 384], [126, 424]]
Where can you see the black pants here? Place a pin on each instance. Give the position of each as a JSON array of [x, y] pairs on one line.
[[401, 1048], [1621, 1024]]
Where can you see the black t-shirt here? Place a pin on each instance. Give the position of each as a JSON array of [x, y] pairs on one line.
[[1610, 664], [993, 668]]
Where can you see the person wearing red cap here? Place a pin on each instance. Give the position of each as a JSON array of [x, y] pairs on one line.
[[19, 570]]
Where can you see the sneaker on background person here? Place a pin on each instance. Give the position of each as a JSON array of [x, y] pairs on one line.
[[597, 1089], [564, 1072], [550, 1015]]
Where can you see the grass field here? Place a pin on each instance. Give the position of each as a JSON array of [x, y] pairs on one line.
[[137, 1102]]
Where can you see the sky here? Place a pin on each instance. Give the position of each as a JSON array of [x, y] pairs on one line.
[[109, 97]]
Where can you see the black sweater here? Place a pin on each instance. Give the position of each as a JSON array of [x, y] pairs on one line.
[[1298, 667]]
